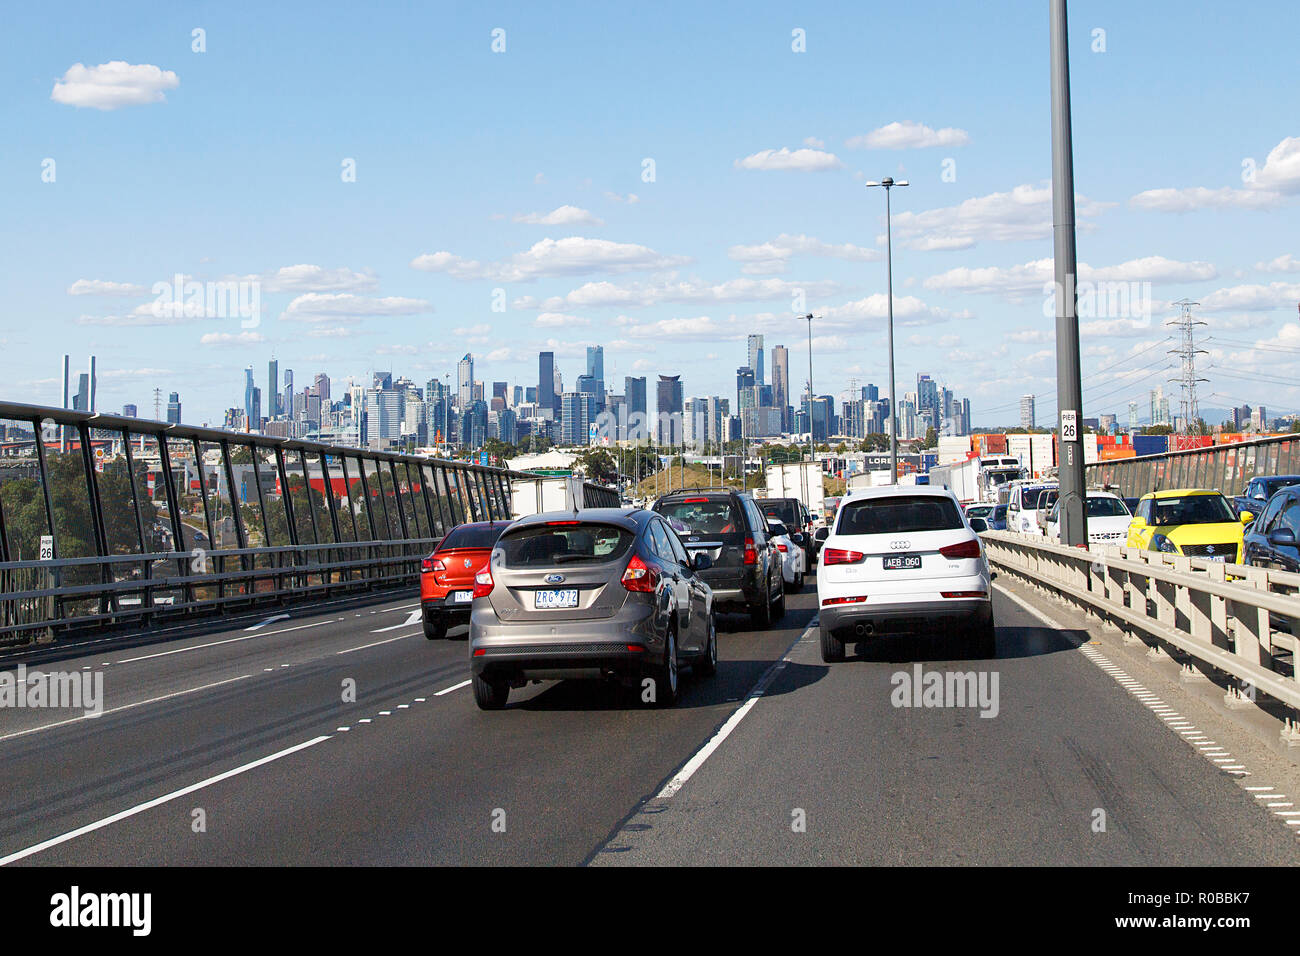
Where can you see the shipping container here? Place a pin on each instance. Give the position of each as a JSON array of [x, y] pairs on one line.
[[1150, 444]]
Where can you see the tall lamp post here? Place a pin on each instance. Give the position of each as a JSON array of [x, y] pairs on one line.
[[811, 456], [889, 184]]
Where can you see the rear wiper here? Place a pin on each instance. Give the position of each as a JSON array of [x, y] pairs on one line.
[[566, 558]]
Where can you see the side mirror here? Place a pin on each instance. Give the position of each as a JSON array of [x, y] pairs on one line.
[[822, 534], [797, 537], [1248, 516], [978, 525], [701, 561], [1282, 536]]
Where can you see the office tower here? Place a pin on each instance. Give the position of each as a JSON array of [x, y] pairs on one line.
[[1132, 416], [965, 417], [717, 413], [756, 358], [870, 393], [669, 408], [174, 408], [473, 425], [781, 383], [596, 369], [321, 386], [91, 396], [286, 396], [383, 380], [693, 425], [516, 396], [383, 416], [477, 394], [1027, 418], [272, 388], [249, 390], [1106, 423], [634, 392], [744, 388], [577, 411], [530, 395], [927, 395], [499, 390], [465, 381], [546, 383], [130, 411]]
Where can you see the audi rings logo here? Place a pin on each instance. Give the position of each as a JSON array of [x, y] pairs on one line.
[[901, 545]]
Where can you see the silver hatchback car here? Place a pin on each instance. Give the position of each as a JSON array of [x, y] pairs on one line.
[[598, 593]]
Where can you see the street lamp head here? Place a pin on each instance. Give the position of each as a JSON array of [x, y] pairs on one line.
[[871, 182]]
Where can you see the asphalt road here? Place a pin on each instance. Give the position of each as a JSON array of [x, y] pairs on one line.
[[239, 747]]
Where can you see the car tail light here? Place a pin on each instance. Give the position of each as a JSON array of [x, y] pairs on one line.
[[438, 566], [636, 648], [639, 576], [840, 556], [694, 501], [552, 524], [782, 548], [844, 600], [964, 594], [483, 583], [751, 556], [966, 549], [426, 566]]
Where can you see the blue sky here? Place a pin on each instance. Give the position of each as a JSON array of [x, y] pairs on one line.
[[523, 171]]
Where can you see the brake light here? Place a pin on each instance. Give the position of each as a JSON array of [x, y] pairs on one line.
[[552, 524], [426, 566], [844, 600], [966, 549], [639, 576], [751, 556], [840, 556], [964, 594], [694, 501], [782, 548], [483, 583]]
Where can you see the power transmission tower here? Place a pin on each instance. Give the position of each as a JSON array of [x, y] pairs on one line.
[[1188, 351]]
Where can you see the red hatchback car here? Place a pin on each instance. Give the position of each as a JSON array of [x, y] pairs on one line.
[[447, 575]]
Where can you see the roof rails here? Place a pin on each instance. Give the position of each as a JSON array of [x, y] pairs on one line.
[[691, 491]]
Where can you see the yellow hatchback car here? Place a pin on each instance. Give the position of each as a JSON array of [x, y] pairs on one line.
[[1190, 521]]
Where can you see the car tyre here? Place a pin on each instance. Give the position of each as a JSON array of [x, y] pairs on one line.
[[832, 647], [708, 662], [778, 612], [434, 630], [760, 615], [666, 675], [984, 639], [490, 694]]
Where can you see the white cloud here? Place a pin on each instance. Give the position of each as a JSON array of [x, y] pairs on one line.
[[310, 278], [473, 331], [113, 85], [800, 160], [397, 350], [559, 320], [630, 198], [1023, 213], [232, 338], [773, 256], [1252, 298], [814, 142], [908, 310], [1199, 197], [909, 135], [338, 306], [1281, 170], [104, 287], [561, 216], [552, 257], [1030, 277], [1032, 336], [601, 294], [331, 332], [1283, 263]]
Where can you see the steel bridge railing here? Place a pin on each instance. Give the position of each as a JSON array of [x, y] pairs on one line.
[[1224, 467], [108, 520]]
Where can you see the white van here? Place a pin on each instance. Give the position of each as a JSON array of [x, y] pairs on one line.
[[1028, 505]]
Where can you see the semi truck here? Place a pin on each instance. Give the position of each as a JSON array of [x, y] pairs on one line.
[[531, 496], [977, 479]]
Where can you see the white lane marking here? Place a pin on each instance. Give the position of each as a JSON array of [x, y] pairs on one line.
[[269, 620], [447, 690], [114, 710], [158, 801], [412, 618], [231, 640], [400, 637], [342, 730], [679, 779]]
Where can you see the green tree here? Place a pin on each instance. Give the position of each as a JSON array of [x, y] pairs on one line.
[[598, 465], [931, 438]]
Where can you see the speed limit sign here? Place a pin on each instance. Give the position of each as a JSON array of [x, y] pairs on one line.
[[1069, 425]]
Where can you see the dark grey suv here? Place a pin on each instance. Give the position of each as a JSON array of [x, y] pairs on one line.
[[597, 593], [729, 527]]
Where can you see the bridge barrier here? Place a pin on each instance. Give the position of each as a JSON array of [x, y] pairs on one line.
[[1231, 617], [108, 520], [1225, 467]]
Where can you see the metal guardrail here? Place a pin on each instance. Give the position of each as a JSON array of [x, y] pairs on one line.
[[1225, 467], [146, 520], [1224, 615]]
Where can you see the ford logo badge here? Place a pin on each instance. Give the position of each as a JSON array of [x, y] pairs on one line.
[[554, 578], [695, 537]]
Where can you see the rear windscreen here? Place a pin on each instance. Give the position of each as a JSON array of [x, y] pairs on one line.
[[472, 536], [1032, 498], [898, 514], [709, 516], [540, 546], [782, 511]]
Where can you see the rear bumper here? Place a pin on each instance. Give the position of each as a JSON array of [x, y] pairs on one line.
[[436, 610], [843, 620], [536, 650]]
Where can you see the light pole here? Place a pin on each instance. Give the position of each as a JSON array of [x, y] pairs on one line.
[[889, 184], [811, 456]]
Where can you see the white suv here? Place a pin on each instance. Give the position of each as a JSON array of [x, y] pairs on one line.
[[903, 558]]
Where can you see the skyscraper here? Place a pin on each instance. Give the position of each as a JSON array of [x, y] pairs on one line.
[[465, 381], [272, 388], [669, 408], [546, 383], [250, 392], [756, 358], [596, 369], [634, 391], [1027, 419], [781, 383], [744, 388], [322, 387], [174, 408], [286, 397]]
